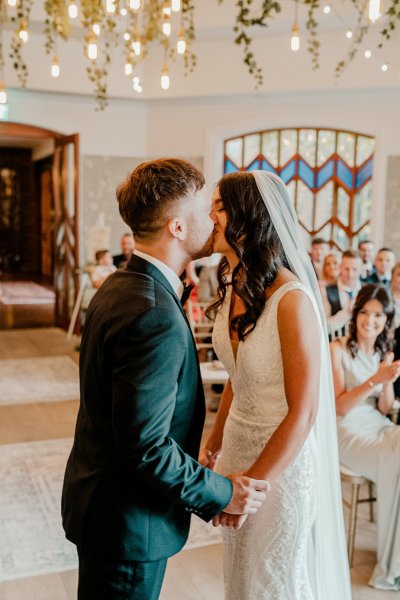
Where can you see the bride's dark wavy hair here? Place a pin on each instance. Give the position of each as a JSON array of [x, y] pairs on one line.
[[251, 234], [383, 342]]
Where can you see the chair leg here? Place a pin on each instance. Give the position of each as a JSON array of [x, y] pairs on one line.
[[371, 501], [352, 521]]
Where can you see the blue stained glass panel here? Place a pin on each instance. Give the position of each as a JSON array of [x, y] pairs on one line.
[[325, 173], [254, 165], [289, 171], [306, 174], [230, 167], [265, 166], [344, 173], [364, 173]]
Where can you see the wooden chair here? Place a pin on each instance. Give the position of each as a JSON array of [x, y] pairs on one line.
[[356, 481], [200, 324]]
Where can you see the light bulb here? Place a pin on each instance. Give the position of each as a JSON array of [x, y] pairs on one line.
[[327, 9], [295, 39], [123, 12], [384, 67], [134, 4], [110, 6], [3, 94], [96, 28], [137, 47], [23, 32], [181, 43], [166, 27], [12, 3], [374, 10], [135, 80], [55, 67], [92, 48], [166, 8], [176, 5], [165, 77], [368, 54], [349, 34], [72, 9], [128, 68]]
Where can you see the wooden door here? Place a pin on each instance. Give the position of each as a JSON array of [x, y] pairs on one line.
[[65, 182]]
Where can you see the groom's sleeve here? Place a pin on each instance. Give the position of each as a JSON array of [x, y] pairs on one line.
[[147, 363]]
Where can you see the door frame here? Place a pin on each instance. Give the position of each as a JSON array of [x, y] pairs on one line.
[[66, 262]]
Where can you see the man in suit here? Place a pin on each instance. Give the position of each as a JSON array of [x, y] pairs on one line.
[[132, 479], [339, 298], [127, 247], [319, 249], [384, 263], [366, 252]]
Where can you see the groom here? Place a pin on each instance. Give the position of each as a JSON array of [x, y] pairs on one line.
[[132, 481]]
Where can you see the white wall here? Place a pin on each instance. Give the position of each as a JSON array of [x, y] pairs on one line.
[[121, 130]]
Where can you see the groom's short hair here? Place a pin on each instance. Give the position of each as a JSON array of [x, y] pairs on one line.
[[148, 195]]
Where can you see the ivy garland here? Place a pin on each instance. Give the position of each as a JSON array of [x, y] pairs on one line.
[[248, 16]]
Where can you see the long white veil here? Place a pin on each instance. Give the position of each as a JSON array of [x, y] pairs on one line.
[[328, 563]]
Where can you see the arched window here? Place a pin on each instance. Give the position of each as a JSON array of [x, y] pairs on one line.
[[328, 174]]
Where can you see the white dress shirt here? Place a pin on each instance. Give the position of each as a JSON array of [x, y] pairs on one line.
[[168, 273], [346, 297]]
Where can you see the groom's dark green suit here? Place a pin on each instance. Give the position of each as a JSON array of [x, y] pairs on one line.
[[132, 480]]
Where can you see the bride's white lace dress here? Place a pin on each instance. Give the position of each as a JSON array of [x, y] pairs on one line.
[[267, 558]]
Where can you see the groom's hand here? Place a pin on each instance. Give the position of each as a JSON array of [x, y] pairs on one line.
[[247, 496], [231, 521]]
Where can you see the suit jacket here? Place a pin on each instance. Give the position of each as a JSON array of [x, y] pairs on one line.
[[375, 279], [132, 480]]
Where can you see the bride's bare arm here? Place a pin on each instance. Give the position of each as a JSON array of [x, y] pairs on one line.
[[210, 451], [300, 346]]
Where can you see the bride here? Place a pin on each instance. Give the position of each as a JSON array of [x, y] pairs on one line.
[[276, 419]]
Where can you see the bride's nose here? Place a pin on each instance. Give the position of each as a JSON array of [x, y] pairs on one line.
[[213, 217]]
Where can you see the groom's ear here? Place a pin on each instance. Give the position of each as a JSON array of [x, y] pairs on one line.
[[177, 228]]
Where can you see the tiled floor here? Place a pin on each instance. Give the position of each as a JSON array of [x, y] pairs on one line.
[[191, 575]]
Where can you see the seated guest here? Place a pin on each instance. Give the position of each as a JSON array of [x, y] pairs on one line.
[[127, 247], [319, 248], [103, 269], [366, 252], [395, 289], [339, 297], [330, 270], [369, 443], [208, 284], [384, 262]]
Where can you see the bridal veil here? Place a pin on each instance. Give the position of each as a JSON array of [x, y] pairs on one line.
[[328, 563]]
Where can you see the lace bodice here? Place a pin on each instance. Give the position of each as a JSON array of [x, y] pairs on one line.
[[258, 361]]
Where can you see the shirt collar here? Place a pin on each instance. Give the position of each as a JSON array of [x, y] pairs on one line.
[[345, 288], [172, 277]]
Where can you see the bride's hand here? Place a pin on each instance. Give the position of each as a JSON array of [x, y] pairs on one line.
[[207, 458], [227, 520]]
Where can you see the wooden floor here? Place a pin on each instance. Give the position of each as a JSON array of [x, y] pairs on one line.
[[192, 574]]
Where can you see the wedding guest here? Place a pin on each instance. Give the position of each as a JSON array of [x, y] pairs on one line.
[[339, 298], [127, 248], [319, 248], [366, 252], [395, 289], [103, 269], [369, 443], [384, 263], [330, 270]]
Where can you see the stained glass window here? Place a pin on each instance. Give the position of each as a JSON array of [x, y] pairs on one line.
[[328, 174]]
